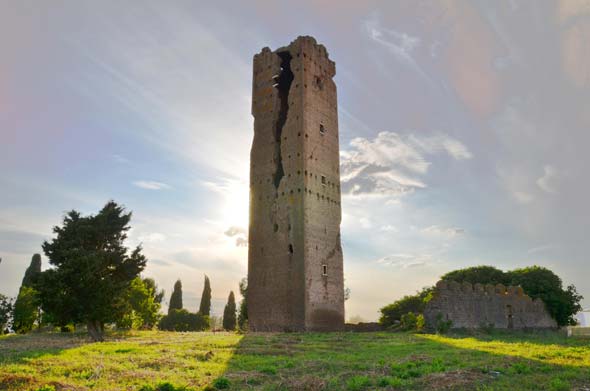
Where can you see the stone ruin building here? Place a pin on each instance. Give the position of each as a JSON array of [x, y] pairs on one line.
[[475, 306], [295, 271]]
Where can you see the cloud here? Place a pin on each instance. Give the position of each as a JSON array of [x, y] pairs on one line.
[[151, 185], [547, 181], [391, 164], [154, 237], [233, 231], [241, 242], [522, 197], [449, 232], [405, 261], [388, 228]]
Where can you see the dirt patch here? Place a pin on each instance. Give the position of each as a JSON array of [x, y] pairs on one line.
[[453, 380]]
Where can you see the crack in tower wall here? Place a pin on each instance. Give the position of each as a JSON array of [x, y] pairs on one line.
[[283, 86]]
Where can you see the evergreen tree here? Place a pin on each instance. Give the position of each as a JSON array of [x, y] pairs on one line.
[[92, 269], [26, 307], [243, 313], [205, 307], [143, 309], [176, 298], [229, 313]]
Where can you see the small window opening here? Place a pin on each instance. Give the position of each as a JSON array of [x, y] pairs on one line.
[[323, 180], [324, 270], [290, 249], [276, 227], [322, 129]]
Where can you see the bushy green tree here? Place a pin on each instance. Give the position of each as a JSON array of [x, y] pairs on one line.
[[92, 269], [205, 306], [176, 297], [182, 320], [26, 310], [539, 282], [478, 274], [143, 307], [5, 313], [392, 313], [229, 313], [26, 307], [243, 312]]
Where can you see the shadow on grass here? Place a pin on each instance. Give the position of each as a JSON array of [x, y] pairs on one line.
[[392, 361], [21, 348]]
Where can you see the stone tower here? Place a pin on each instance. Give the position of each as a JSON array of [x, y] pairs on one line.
[[295, 274]]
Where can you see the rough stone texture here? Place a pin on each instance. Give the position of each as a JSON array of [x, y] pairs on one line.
[[295, 274], [474, 306]]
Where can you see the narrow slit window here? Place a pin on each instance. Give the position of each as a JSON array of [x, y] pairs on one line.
[[324, 270], [322, 130], [323, 180]]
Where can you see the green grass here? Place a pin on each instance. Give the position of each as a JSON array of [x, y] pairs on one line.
[[161, 361]]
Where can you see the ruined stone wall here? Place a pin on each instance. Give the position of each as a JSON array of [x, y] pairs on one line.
[[295, 271], [474, 306]]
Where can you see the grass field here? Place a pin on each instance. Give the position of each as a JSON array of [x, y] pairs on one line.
[[336, 361]]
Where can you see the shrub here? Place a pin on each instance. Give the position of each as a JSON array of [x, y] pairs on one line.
[[408, 321], [442, 326], [182, 320], [392, 313]]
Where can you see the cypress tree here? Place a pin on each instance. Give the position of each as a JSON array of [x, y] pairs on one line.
[[205, 307], [26, 306], [229, 313], [176, 298]]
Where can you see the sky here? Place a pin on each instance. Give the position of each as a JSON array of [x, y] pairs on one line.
[[464, 133]]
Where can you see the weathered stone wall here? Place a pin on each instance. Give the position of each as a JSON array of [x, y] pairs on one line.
[[295, 273], [473, 306]]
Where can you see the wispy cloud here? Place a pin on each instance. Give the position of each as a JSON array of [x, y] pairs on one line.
[[449, 232], [151, 185], [392, 164], [405, 261], [547, 181]]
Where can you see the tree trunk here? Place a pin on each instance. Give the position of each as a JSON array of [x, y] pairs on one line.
[[95, 330]]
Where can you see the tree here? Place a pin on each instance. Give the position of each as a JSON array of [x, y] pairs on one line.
[[182, 320], [392, 313], [243, 312], [26, 310], [478, 274], [143, 307], [229, 313], [176, 298], [205, 307], [5, 313], [92, 269], [26, 306], [542, 283]]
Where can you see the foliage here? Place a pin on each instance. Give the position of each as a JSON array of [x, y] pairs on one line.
[[26, 310], [205, 306], [536, 281], [182, 320], [478, 274], [92, 269], [26, 306], [542, 283], [392, 313], [441, 325], [165, 386], [221, 383], [229, 313], [142, 305], [176, 297], [5, 313], [296, 361], [243, 311], [408, 321]]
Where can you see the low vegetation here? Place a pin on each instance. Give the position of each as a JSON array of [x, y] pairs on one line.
[[151, 360]]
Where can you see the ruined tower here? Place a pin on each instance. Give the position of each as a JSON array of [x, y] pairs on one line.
[[295, 274]]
